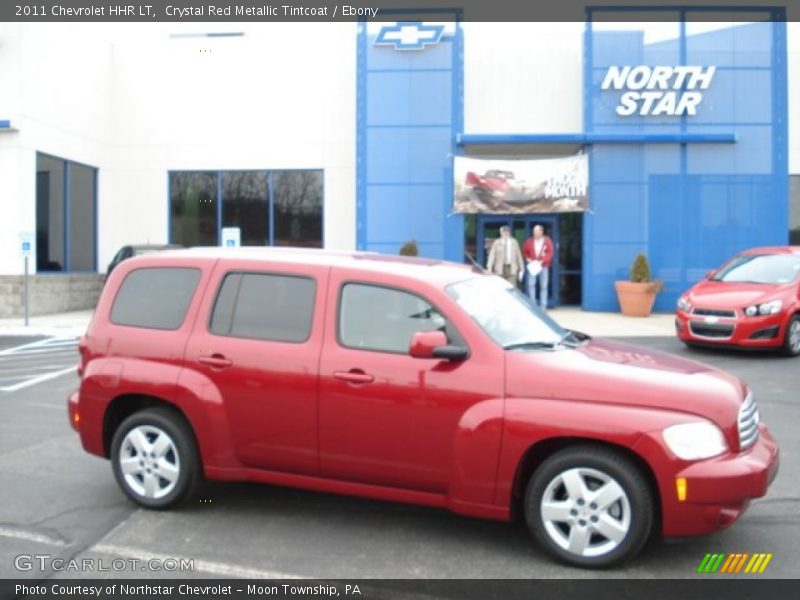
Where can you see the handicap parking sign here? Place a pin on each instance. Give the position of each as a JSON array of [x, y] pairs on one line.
[[231, 237], [26, 243]]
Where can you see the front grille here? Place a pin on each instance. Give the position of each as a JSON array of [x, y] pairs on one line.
[[714, 312], [748, 422], [711, 330]]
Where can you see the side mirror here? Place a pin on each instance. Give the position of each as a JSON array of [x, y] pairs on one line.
[[710, 274], [433, 344]]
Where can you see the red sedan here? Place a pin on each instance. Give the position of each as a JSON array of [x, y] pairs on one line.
[[752, 301]]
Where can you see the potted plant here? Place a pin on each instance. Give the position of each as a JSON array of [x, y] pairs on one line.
[[409, 249], [636, 297]]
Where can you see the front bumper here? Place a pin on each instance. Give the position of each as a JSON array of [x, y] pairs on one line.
[[718, 490], [750, 332]]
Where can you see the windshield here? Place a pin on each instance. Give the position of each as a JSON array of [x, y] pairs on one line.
[[760, 268], [505, 314]]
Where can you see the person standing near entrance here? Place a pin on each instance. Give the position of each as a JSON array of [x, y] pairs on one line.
[[538, 251], [505, 257]]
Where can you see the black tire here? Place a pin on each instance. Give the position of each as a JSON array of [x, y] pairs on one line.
[[791, 345], [164, 432], [630, 517]]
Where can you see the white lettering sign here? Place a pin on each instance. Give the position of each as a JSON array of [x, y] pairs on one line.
[[660, 90]]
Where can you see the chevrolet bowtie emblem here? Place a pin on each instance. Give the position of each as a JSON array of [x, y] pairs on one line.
[[409, 36]]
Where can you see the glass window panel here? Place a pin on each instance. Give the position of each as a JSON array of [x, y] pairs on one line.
[[298, 197], [570, 240], [268, 307], [383, 319], [155, 298], [245, 204], [193, 208], [49, 213], [82, 218]]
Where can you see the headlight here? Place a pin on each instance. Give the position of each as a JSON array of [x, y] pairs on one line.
[[767, 308], [684, 304], [770, 308], [694, 441]]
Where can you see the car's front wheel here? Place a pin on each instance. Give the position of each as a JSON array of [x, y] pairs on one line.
[[155, 459], [589, 506], [791, 340]]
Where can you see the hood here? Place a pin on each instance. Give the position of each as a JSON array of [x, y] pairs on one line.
[[623, 374], [721, 294]]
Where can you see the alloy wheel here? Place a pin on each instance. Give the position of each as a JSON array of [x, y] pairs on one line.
[[586, 512], [149, 462]]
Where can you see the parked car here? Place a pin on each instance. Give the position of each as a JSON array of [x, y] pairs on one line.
[[493, 185], [752, 301], [136, 250], [410, 380]]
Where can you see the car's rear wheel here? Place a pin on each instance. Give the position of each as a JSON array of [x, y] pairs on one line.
[[589, 506], [155, 459], [791, 340]]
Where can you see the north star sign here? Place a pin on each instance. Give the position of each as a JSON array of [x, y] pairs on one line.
[[671, 91]]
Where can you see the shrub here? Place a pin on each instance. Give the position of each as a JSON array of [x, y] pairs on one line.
[[409, 249], [640, 273], [640, 269]]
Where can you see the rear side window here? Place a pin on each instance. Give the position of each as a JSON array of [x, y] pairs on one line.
[[264, 306], [155, 298]]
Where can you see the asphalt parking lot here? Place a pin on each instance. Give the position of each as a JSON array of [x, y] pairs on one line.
[[61, 502]]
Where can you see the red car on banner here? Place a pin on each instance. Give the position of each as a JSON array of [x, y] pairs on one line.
[[492, 184], [752, 301]]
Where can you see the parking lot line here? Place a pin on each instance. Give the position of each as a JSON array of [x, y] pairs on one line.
[[30, 536], [212, 567], [35, 380]]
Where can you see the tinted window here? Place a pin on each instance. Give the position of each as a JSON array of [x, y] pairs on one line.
[[377, 318], [266, 307], [156, 298]]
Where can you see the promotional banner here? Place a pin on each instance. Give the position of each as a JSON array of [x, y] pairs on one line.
[[546, 185]]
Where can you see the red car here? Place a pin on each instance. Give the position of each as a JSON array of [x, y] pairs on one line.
[[752, 301], [493, 183], [413, 381]]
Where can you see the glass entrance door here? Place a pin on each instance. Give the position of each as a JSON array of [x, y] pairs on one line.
[[566, 232]]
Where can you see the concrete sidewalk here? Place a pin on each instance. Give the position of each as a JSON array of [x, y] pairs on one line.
[[66, 324], [594, 323]]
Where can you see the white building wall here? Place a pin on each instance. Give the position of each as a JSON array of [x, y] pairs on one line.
[[793, 68], [523, 77], [56, 91], [137, 102]]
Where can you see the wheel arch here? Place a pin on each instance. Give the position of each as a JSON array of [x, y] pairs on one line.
[[540, 451], [125, 405]]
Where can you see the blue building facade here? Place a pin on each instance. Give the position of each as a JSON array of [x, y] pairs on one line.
[[688, 187]]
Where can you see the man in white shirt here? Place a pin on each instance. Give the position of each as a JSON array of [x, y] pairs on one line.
[[505, 257]]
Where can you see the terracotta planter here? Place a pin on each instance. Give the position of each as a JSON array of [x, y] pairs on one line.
[[635, 299]]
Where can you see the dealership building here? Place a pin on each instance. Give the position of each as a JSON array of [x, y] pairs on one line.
[[350, 136]]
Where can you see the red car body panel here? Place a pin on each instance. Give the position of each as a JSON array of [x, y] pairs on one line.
[[322, 416], [735, 297]]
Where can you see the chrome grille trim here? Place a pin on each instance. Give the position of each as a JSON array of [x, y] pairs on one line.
[[748, 422]]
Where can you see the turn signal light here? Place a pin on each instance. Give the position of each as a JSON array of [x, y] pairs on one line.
[[680, 488]]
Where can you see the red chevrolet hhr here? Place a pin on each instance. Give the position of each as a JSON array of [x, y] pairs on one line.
[[408, 380], [752, 301]]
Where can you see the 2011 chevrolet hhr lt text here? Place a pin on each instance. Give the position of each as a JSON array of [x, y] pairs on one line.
[[409, 380]]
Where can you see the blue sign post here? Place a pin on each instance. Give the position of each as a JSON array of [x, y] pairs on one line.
[[26, 250]]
